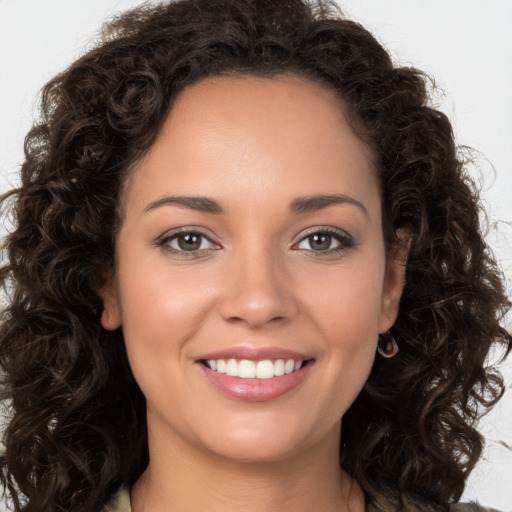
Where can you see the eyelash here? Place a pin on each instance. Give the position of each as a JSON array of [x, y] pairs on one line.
[[166, 240], [344, 240]]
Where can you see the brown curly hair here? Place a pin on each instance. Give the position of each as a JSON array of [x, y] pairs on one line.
[[77, 431]]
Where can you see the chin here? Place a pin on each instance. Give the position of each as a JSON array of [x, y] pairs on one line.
[[268, 443], [255, 449]]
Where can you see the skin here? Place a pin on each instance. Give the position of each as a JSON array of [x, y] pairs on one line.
[[254, 145]]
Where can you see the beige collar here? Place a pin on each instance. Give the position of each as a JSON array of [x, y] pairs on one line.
[[120, 502]]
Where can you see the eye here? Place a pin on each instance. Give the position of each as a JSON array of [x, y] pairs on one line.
[[326, 241], [187, 242]]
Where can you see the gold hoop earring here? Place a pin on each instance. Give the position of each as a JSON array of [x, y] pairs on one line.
[[387, 346]]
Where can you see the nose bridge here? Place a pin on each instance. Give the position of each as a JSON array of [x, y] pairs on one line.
[[257, 289]]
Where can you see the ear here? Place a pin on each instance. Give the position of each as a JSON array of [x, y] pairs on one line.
[[111, 315], [394, 280]]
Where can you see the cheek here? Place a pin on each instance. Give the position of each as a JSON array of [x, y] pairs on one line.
[[160, 313], [346, 310], [346, 302]]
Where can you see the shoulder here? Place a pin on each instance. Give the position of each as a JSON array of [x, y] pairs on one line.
[[470, 507], [120, 502], [414, 504]]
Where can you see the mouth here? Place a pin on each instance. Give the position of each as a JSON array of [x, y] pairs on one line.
[[248, 369], [255, 375]]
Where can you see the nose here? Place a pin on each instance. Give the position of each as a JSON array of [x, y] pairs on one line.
[[257, 292]]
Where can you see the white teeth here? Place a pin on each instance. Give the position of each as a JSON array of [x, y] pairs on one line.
[[245, 369], [221, 366], [289, 366], [232, 368], [265, 369], [279, 368]]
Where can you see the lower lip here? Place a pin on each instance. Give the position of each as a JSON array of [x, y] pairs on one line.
[[256, 390]]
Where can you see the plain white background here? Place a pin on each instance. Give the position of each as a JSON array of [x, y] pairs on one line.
[[465, 44]]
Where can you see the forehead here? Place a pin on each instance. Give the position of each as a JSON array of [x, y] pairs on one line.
[[256, 136], [309, 106]]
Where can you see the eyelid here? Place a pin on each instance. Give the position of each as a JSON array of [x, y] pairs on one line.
[[164, 239], [347, 241]]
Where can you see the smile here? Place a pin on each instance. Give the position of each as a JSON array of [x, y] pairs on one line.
[[247, 369]]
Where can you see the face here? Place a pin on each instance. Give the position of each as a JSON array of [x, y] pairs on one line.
[[252, 280]]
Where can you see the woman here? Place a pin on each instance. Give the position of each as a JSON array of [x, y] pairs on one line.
[[246, 274]]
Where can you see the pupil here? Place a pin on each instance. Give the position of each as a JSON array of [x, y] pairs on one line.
[[320, 242], [189, 242]]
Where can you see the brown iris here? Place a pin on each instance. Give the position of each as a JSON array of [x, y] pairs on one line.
[[189, 242], [320, 241]]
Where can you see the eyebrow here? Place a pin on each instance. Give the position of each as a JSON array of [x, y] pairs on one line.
[[200, 204], [318, 202], [299, 205]]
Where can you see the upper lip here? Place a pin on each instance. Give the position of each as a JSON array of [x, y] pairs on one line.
[[255, 354]]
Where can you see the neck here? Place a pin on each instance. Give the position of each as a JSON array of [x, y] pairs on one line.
[[182, 478]]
